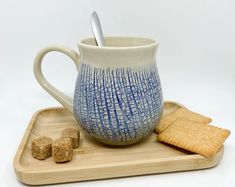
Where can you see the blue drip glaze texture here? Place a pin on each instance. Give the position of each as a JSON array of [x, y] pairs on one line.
[[118, 106]]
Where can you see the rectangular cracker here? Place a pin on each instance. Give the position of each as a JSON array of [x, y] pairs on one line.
[[181, 113], [195, 137]]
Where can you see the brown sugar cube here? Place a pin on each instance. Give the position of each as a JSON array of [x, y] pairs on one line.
[[181, 113], [72, 133], [62, 150], [41, 147], [195, 137]]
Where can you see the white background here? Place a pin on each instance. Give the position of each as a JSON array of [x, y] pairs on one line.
[[196, 61]]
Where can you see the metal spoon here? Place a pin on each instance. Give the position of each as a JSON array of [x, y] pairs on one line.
[[97, 30]]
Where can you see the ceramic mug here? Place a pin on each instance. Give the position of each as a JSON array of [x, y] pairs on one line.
[[118, 97]]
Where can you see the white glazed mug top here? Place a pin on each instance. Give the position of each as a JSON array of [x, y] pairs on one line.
[[119, 43], [118, 52]]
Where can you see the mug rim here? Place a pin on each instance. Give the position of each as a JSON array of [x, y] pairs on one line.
[[84, 43]]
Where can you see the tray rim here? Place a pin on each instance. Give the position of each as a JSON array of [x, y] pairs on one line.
[[21, 171]]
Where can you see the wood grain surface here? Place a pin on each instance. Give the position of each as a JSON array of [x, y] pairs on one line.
[[93, 160]]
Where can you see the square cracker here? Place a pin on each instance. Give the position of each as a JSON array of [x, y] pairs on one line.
[[181, 113], [195, 137]]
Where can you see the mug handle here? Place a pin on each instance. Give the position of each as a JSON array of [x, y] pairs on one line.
[[65, 100]]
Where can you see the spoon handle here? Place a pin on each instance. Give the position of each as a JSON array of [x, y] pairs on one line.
[[97, 30]]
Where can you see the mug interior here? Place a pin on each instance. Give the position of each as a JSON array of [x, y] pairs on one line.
[[113, 42]]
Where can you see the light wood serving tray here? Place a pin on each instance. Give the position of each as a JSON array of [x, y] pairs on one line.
[[93, 160]]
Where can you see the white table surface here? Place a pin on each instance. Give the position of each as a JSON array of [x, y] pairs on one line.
[[196, 63]]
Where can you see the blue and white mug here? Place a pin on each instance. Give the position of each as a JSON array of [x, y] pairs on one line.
[[118, 96]]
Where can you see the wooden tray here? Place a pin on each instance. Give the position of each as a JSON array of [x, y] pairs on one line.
[[93, 160]]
